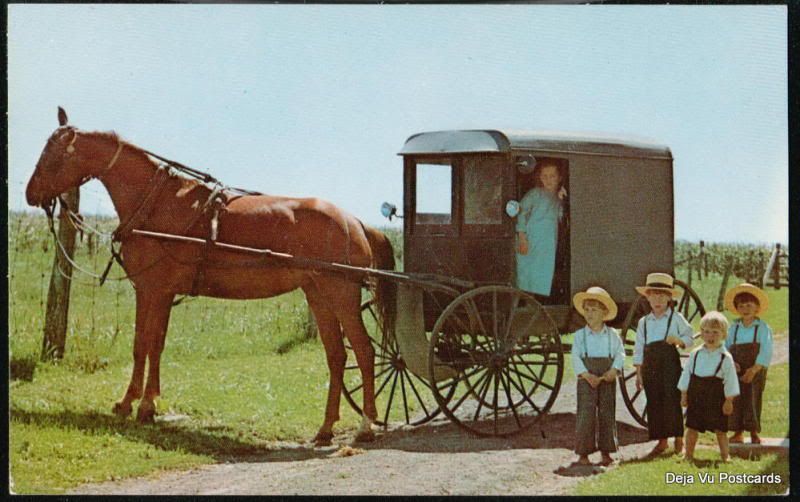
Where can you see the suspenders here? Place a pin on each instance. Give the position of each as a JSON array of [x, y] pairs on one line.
[[736, 331], [719, 366], [669, 322], [586, 347]]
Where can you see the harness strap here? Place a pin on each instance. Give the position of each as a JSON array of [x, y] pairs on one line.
[[214, 199], [145, 207]]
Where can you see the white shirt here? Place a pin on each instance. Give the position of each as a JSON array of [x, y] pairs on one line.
[[657, 331], [707, 362], [589, 343]]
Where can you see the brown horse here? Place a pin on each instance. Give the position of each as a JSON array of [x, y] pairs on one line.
[[148, 197]]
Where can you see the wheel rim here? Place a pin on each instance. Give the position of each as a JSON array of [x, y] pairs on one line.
[[507, 354], [690, 306]]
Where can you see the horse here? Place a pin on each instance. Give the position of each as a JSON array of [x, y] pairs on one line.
[[151, 198]]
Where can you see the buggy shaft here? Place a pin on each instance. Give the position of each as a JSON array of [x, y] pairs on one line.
[[299, 261]]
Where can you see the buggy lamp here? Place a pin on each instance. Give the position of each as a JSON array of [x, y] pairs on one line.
[[388, 210], [512, 208], [525, 163]]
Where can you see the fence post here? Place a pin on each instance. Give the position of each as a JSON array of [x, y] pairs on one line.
[[310, 325], [702, 262], [776, 269], [724, 284], [56, 317], [689, 263]]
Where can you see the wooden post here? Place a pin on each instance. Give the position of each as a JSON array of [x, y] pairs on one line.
[[689, 264], [724, 284], [311, 325], [55, 323], [776, 269], [702, 263]]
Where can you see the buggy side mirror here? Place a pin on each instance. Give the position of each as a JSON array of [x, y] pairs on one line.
[[525, 163], [388, 210], [512, 208]]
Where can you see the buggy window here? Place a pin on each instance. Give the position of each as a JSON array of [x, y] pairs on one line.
[[483, 191], [434, 193]]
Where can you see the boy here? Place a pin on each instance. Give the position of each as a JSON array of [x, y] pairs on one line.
[[597, 358], [658, 366], [708, 385], [750, 343]]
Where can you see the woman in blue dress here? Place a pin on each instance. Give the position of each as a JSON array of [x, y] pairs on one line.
[[541, 210]]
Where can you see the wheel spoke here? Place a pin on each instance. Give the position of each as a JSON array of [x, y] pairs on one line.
[[494, 401], [483, 391], [391, 397], [405, 398], [414, 390], [525, 396], [510, 400], [380, 389], [512, 312]]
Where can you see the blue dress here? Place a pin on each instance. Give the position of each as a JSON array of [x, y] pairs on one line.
[[540, 212]]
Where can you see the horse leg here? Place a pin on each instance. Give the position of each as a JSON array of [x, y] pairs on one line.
[[331, 335], [349, 314], [124, 407], [158, 321]]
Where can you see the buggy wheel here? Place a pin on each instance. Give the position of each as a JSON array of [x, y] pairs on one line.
[[400, 395], [690, 306], [496, 356]]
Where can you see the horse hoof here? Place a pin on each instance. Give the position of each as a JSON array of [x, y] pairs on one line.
[[146, 415], [365, 437], [323, 439], [122, 410]]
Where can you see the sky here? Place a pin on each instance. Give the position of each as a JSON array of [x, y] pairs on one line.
[[316, 100]]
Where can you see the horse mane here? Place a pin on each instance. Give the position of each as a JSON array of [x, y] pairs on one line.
[[144, 156]]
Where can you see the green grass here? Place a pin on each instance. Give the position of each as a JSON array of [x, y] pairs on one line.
[[243, 372], [650, 474]]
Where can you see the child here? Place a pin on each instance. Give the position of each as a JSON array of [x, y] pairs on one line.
[[657, 362], [708, 385], [750, 343], [597, 358]]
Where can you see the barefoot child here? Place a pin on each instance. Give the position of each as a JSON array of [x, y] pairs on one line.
[[657, 361], [750, 343], [597, 357], [708, 385]]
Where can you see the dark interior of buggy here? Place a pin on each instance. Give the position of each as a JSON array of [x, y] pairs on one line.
[[465, 197]]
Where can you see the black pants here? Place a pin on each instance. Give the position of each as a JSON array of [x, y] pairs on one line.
[[661, 370]]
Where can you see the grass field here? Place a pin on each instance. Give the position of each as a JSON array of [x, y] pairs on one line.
[[241, 372]]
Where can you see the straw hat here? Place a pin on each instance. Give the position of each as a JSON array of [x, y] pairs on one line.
[[599, 294], [659, 281], [746, 287]]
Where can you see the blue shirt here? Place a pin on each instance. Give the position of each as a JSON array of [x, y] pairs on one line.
[[746, 334], [707, 362], [657, 331], [588, 343]]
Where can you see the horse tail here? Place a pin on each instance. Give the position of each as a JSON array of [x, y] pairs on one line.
[[384, 290]]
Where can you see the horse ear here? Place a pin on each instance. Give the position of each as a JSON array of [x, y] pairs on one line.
[[62, 117]]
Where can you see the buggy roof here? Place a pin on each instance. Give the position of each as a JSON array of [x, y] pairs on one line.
[[493, 140]]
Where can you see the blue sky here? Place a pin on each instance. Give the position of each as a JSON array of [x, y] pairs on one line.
[[316, 100]]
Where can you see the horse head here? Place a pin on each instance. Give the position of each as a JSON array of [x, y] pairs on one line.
[[62, 165]]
